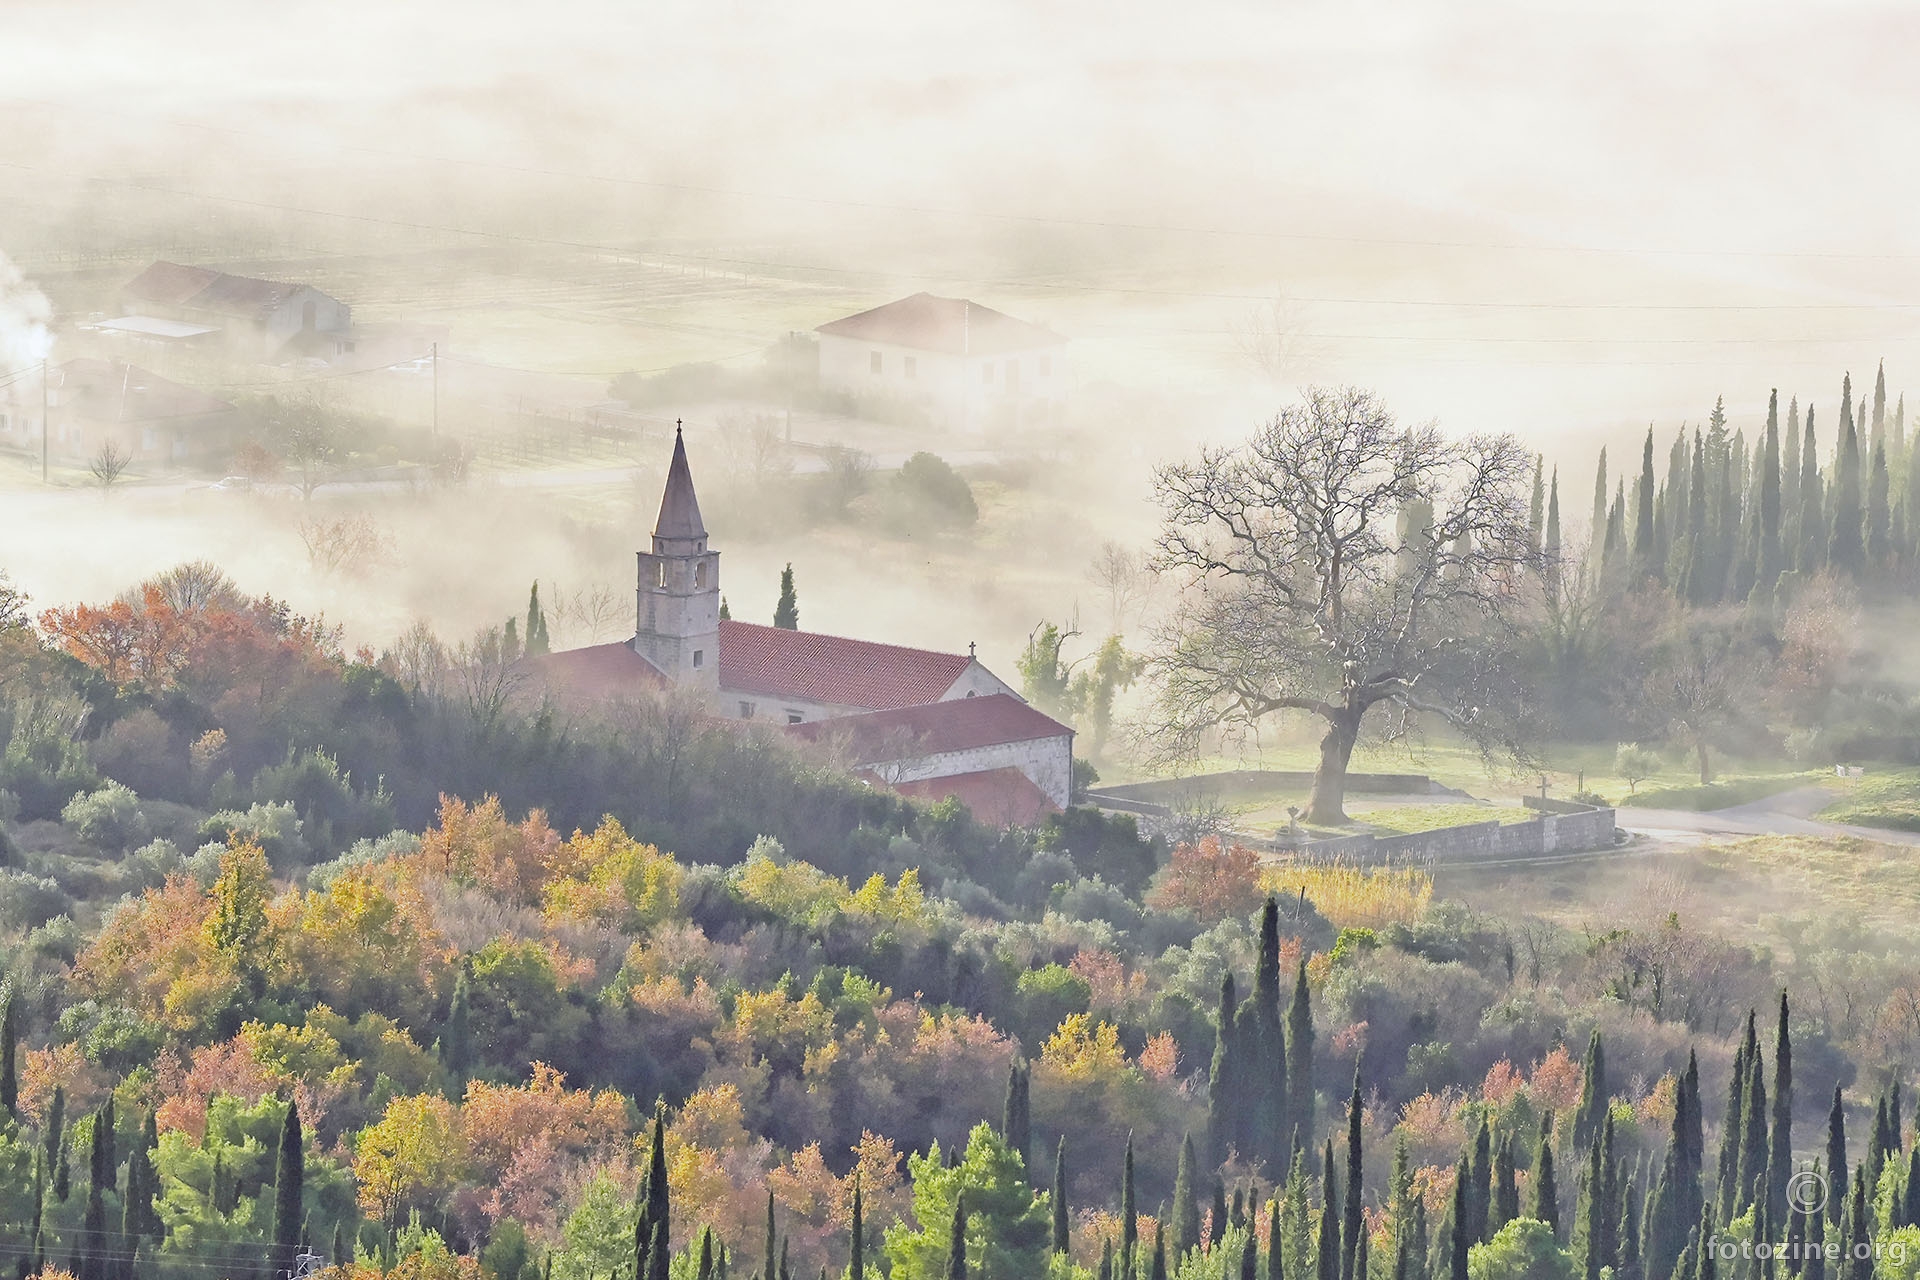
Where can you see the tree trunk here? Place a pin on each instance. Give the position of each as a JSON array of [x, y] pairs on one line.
[[1706, 766], [1327, 805]]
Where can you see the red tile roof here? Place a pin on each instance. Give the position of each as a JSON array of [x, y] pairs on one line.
[[997, 797], [600, 670], [955, 326], [835, 670], [905, 733]]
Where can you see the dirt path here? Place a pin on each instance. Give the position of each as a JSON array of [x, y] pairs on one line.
[[1788, 813]]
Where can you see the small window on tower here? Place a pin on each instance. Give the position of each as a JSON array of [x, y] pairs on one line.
[[700, 575], [660, 573], [699, 658]]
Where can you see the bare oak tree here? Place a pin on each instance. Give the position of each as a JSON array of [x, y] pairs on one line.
[[108, 465], [1338, 562]]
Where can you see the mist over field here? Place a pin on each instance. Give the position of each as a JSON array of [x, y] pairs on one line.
[[1000, 641]]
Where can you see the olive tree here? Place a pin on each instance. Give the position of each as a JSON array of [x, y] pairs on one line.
[[1336, 563]]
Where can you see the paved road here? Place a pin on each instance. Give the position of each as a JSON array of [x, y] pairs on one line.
[[1788, 813]]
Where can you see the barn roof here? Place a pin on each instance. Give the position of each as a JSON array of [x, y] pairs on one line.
[[836, 670], [952, 326], [113, 391], [961, 724], [172, 284]]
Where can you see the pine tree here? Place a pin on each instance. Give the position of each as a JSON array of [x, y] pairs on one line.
[[9, 1051], [1224, 1101], [1780, 1146], [1186, 1210], [1836, 1152], [1546, 1196], [1299, 1058], [1016, 1123], [1059, 1205], [786, 613], [1350, 1230]]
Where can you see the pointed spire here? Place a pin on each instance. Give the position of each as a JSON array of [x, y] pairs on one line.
[[679, 509]]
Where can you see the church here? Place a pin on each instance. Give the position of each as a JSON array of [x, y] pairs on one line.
[[926, 724]]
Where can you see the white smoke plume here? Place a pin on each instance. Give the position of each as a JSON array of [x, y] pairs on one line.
[[25, 338]]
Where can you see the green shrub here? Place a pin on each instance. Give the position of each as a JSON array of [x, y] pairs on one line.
[[108, 819], [274, 827]]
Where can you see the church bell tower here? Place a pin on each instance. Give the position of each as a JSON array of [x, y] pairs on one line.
[[678, 600]]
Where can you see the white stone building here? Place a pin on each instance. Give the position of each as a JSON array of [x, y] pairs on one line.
[[969, 367], [260, 318]]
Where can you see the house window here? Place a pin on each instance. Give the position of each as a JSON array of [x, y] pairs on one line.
[[873, 361], [746, 711], [1046, 366], [700, 575], [794, 717], [699, 658], [911, 367], [986, 373]]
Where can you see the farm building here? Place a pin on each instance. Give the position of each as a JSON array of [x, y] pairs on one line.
[[150, 419], [925, 723], [969, 367], [263, 319]]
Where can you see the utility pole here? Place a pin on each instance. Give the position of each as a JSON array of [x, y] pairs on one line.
[[45, 429]]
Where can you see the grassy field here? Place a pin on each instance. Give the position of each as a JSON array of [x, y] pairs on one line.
[[1741, 789], [1770, 889], [1889, 800]]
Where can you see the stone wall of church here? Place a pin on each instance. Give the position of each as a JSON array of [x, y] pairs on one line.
[[1047, 762]]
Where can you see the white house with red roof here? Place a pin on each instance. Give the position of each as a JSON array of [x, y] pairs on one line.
[[970, 367], [926, 723]]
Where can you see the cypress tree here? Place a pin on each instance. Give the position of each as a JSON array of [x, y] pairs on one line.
[[1627, 1264], [1260, 1046], [1911, 506], [726, 614], [1859, 1263], [1216, 1226], [1546, 1196], [1506, 1189], [536, 624], [1550, 548], [1250, 1258], [289, 1190], [1689, 1123], [1106, 1259], [1597, 525], [1900, 422], [785, 1274], [1327, 1255], [1771, 553], [96, 1250], [1879, 436], [1239, 1214], [1846, 549], [1780, 1148], [9, 1051], [1350, 1230], [1910, 1198], [1129, 1215], [1593, 1094], [1059, 1205], [771, 1250], [1223, 1086], [1695, 575], [1813, 520], [1480, 1183], [703, 1270], [456, 1038], [1186, 1210], [138, 1216], [857, 1245], [1299, 1059], [786, 613], [1836, 1153], [1732, 1130], [957, 1240], [1159, 1253], [1460, 1237], [1879, 534], [1755, 1150], [1816, 1232], [1276, 1262], [1877, 1141], [1790, 482], [56, 1143], [653, 1218], [1016, 1124], [1537, 508], [1643, 544]]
